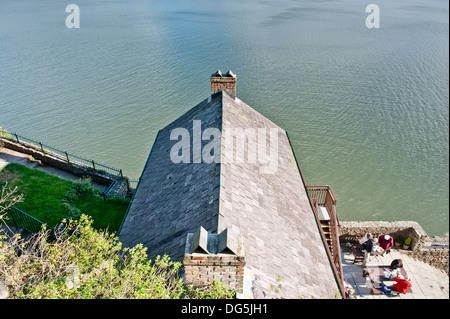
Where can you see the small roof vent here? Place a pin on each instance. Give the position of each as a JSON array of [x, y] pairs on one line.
[[204, 242], [229, 243], [218, 73], [229, 74], [200, 241]]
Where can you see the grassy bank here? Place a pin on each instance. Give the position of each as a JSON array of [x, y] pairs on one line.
[[44, 193]]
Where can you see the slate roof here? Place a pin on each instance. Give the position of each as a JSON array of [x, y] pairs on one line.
[[172, 200], [285, 255]]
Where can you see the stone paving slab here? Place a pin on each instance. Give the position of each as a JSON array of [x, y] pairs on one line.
[[428, 282]]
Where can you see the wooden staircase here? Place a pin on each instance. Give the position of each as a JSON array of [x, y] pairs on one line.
[[324, 219], [326, 231], [323, 203]]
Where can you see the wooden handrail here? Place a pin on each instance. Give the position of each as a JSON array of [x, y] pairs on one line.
[[323, 195], [323, 190]]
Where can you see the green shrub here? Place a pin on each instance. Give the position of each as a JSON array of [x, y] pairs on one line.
[[84, 187], [76, 190], [72, 211], [71, 196], [84, 263], [407, 241], [216, 290]]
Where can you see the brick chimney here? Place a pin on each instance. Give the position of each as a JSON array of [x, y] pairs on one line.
[[214, 257], [225, 81]]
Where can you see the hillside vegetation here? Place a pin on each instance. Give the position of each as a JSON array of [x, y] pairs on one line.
[[79, 261], [83, 263]]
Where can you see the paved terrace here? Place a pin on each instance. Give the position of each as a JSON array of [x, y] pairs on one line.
[[427, 281]]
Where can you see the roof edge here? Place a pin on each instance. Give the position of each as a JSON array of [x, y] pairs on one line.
[[335, 275]]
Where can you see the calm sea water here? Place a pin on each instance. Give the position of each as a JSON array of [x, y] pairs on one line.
[[366, 109]]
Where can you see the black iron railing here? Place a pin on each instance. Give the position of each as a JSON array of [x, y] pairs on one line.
[[119, 186], [59, 154], [22, 220]]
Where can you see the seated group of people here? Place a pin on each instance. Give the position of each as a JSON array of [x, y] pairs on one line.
[[382, 245], [401, 285], [378, 245]]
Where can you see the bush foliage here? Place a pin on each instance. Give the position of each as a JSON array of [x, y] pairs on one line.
[[84, 263], [73, 194]]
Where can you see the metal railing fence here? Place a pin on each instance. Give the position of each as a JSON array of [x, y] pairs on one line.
[[24, 221], [116, 175], [62, 155]]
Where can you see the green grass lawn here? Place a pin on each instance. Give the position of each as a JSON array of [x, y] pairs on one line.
[[43, 194]]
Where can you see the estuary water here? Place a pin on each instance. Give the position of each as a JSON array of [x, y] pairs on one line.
[[366, 108]]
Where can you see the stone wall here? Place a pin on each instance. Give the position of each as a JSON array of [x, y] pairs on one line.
[[48, 159], [438, 258], [401, 229]]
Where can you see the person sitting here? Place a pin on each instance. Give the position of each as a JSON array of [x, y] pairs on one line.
[[367, 243], [386, 242], [367, 247], [396, 263], [365, 238], [402, 285]]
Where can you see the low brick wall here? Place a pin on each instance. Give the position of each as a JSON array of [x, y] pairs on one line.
[[78, 170], [203, 269], [402, 229]]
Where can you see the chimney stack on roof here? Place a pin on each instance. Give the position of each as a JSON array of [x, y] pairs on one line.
[[225, 81], [214, 257]]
